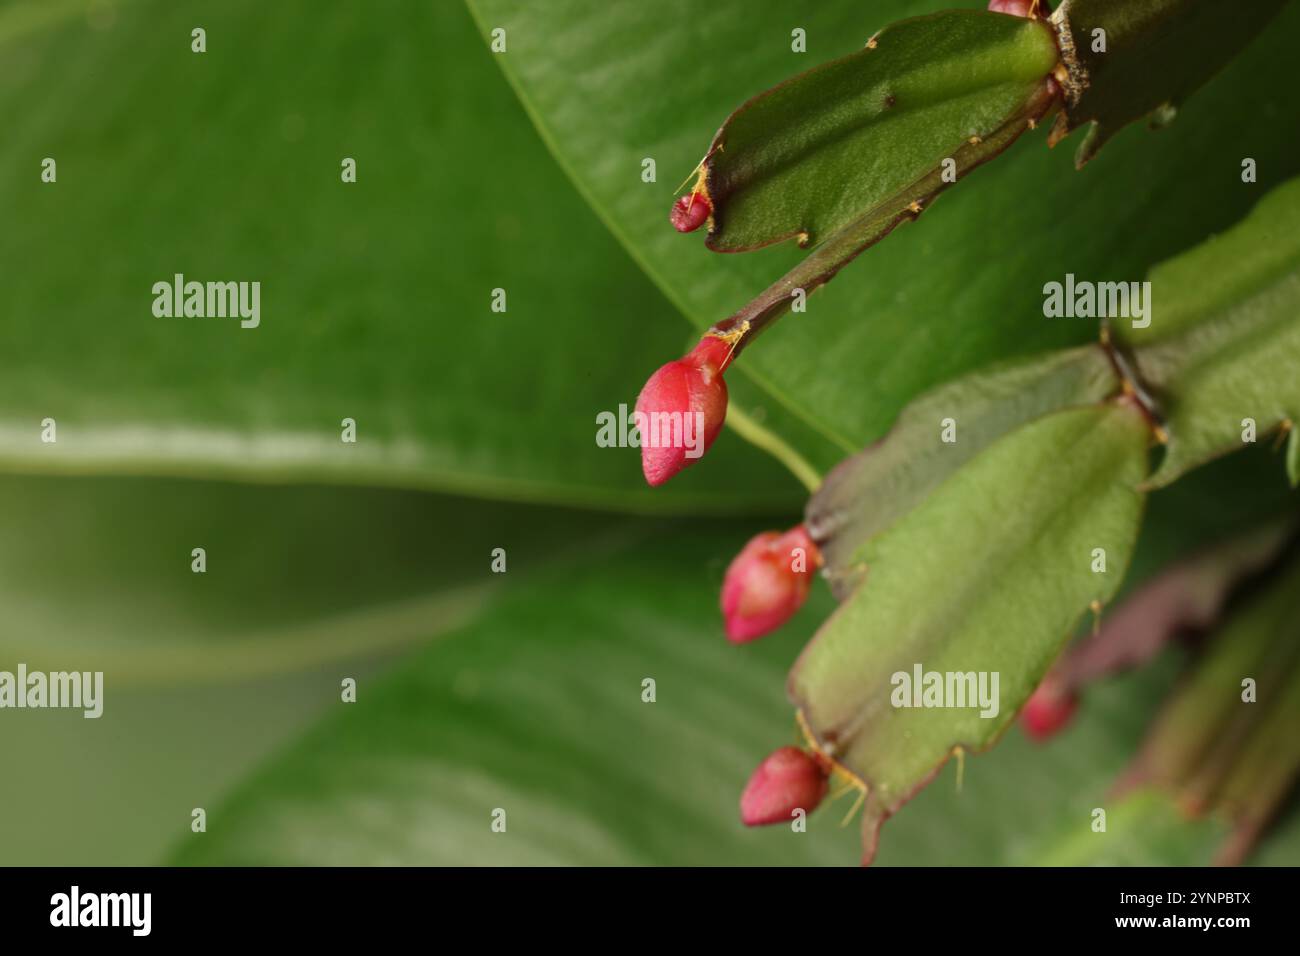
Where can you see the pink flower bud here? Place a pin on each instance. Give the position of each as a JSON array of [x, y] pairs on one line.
[[690, 212], [767, 582], [1017, 8], [681, 410], [787, 780], [1048, 709]]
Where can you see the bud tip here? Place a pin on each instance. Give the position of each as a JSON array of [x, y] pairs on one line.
[[787, 780], [767, 583]]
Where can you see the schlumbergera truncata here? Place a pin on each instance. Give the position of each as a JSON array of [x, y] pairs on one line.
[[970, 543]]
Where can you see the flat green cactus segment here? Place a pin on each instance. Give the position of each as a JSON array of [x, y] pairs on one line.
[[1222, 352], [1197, 286], [1128, 60], [990, 575], [937, 434], [824, 148]]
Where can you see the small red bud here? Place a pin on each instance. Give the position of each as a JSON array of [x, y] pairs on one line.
[[1048, 709], [681, 410], [1016, 8], [787, 780], [689, 212], [767, 582]]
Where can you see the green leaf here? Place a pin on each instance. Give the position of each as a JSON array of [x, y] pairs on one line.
[[989, 574], [99, 572], [376, 296], [1126, 59], [613, 84], [825, 148], [1142, 829], [170, 749], [868, 492], [1223, 345], [1202, 730]]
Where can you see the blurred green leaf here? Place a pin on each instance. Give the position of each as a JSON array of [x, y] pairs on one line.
[[97, 573], [1266, 768], [1223, 345], [1186, 597], [867, 493], [989, 575], [613, 84], [1208, 718], [1216, 764], [828, 146], [375, 295], [166, 750], [1222, 744], [1142, 829]]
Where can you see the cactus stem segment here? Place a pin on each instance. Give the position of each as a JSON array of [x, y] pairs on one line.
[[1132, 388], [842, 246], [1071, 73]]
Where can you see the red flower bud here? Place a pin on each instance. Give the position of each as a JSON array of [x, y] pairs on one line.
[[787, 780], [1016, 8], [1048, 709], [681, 410], [689, 212], [767, 582]]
